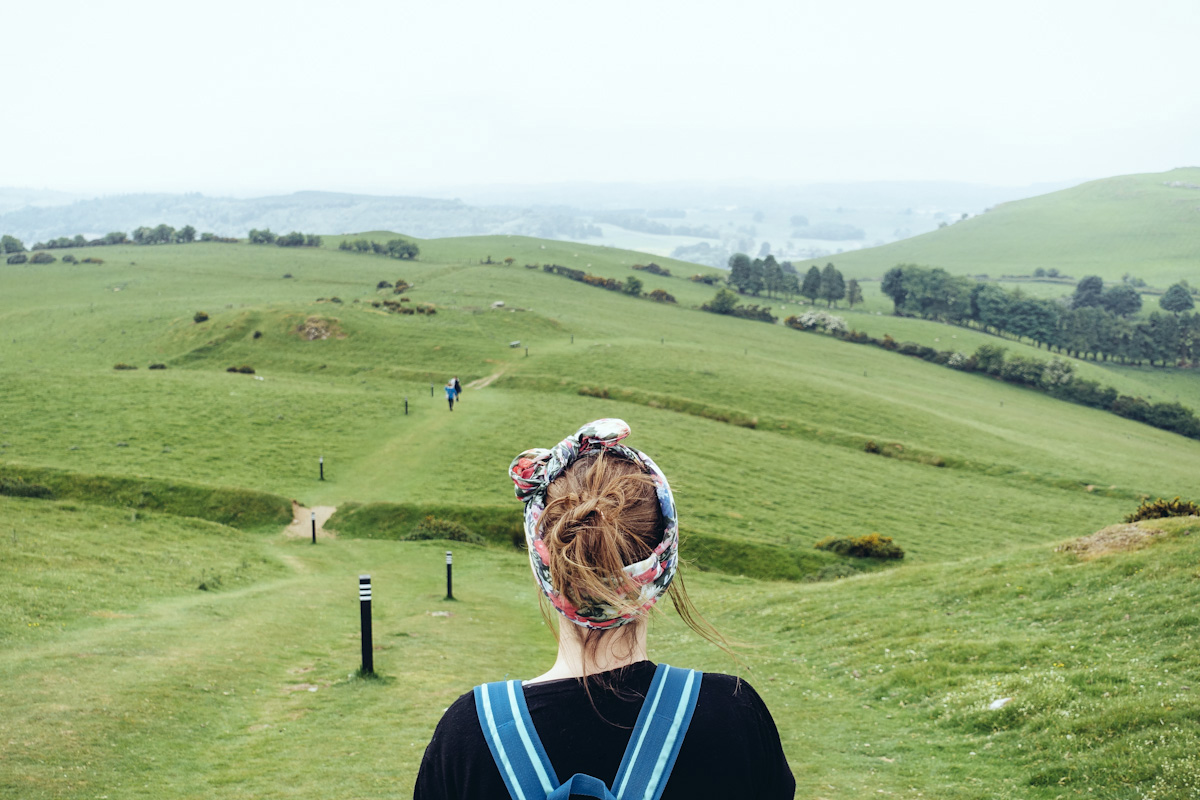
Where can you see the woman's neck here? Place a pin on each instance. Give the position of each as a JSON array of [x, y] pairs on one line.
[[616, 648]]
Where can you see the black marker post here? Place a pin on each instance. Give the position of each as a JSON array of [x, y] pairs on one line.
[[449, 575], [364, 611], [321, 464], [314, 525]]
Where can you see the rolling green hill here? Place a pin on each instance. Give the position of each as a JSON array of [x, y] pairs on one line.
[[157, 687], [1146, 225]]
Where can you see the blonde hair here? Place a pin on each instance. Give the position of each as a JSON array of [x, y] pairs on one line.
[[601, 514]]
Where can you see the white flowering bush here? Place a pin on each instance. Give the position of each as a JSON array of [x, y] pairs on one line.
[[957, 360], [820, 320]]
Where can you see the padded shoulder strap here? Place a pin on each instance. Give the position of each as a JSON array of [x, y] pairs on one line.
[[658, 735], [514, 742]]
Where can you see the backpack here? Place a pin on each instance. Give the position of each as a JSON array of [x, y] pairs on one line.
[[645, 767]]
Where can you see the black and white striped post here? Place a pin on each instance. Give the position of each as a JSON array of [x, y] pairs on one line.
[[449, 575], [313, 517], [364, 611], [321, 464]]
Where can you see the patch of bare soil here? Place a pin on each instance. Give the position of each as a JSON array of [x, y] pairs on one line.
[[315, 328], [1113, 539], [485, 382], [301, 527]]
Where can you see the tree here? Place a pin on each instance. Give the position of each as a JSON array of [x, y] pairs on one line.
[[186, 234], [833, 286], [633, 286], [772, 275], [398, 248], [261, 237], [1176, 299], [791, 284], [893, 287], [811, 288], [162, 234], [1122, 300], [755, 284], [739, 272], [1089, 292], [142, 235], [11, 244], [853, 293], [116, 237], [722, 303]]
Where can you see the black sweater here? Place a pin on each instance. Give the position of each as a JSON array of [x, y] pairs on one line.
[[731, 750]]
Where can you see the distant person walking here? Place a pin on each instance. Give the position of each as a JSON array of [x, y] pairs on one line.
[[450, 394], [457, 389]]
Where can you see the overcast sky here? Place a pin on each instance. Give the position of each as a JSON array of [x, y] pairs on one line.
[[259, 96]]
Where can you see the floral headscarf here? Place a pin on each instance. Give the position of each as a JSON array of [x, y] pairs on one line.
[[535, 469]]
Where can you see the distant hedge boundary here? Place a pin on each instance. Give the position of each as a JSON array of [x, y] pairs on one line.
[[503, 526], [244, 509], [400, 521]]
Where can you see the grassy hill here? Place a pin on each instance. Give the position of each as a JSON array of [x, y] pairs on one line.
[[167, 690], [1137, 224]]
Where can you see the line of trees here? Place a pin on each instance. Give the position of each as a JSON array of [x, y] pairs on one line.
[[159, 234], [755, 276], [1095, 322], [393, 248], [1055, 377], [293, 239]]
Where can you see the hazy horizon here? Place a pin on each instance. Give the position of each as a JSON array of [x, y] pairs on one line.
[[266, 98]]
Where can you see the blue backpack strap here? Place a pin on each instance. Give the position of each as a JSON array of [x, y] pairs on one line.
[[658, 735], [579, 785], [513, 740]]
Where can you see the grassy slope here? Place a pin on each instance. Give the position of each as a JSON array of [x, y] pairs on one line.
[[1132, 224], [878, 684], [817, 400]]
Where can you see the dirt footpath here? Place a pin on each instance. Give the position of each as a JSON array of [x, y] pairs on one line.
[[301, 527]]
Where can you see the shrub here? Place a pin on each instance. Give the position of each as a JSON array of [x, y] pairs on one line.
[[660, 296], [916, 350], [961, 361], [888, 343], [858, 337], [401, 286], [831, 572], [654, 269], [870, 546], [158, 366], [244, 369], [383, 285], [989, 358], [123, 365], [1162, 508], [200, 316], [434, 528], [871, 447], [817, 321], [335, 299], [258, 334], [15, 487], [19, 258], [93, 260], [287, 275], [70, 259], [42, 257]]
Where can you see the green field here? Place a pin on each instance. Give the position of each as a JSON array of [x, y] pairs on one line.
[[1132, 224], [123, 678]]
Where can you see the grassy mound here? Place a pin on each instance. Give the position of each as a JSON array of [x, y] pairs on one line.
[[239, 508]]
